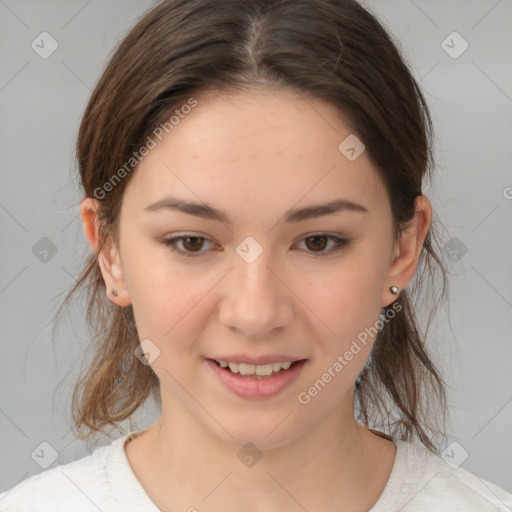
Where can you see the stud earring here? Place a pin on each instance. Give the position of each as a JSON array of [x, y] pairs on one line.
[[114, 293], [394, 289]]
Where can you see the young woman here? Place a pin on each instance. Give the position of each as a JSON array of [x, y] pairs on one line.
[[252, 176]]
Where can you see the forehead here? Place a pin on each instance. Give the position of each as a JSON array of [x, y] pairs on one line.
[[262, 151]]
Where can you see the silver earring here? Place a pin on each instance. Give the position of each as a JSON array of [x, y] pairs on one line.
[[394, 289], [114, 293]]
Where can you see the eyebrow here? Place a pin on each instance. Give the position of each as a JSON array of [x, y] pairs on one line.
[[206, 211]]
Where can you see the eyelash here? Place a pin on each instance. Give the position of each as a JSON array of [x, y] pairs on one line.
[[340, 243]]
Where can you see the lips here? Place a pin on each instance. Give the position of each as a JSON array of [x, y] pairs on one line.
[[256, 386]]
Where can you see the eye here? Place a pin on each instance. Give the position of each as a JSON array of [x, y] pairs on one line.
[[318, 241], [192, 244]]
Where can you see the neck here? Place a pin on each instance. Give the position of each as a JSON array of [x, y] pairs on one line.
[[337, 465]]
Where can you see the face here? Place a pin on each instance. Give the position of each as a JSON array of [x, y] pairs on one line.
[[264, 283]]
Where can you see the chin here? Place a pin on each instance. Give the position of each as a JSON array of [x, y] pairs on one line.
[[263, 432]]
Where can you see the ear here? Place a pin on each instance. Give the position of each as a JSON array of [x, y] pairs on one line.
[[109, 259], [407, 252]]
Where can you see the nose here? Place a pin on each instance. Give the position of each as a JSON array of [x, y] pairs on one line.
[[256, 300]]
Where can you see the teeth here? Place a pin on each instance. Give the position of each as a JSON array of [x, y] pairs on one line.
[[233, 367], [246, 369], [264, 369], [255, 369]]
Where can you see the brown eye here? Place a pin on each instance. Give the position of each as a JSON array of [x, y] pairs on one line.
[[318, 243], [192, 245]]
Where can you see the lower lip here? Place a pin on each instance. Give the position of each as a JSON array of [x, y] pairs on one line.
[[246, 387]]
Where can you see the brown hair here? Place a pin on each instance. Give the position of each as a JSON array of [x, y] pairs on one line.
[[335, 50]]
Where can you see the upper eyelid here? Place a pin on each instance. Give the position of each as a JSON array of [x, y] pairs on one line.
[[206, 237]]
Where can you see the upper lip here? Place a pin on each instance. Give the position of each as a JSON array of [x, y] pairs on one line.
[[267, 359]]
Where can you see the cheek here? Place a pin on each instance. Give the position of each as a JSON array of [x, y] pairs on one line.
[[348, 299], [349, 305], [170, 308], [164, 299]]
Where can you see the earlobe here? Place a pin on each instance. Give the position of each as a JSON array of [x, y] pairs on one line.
[[113, 275], [408, 253], [108, 259]]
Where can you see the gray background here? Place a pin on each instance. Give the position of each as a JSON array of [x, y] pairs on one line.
[[41, 103]]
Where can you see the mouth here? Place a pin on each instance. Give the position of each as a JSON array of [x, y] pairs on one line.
[[257, 371], [251, 381]]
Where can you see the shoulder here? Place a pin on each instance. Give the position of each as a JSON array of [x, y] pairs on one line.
[[81, 486], [421, 481]]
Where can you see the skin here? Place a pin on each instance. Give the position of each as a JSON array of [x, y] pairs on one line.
[[255, 156]]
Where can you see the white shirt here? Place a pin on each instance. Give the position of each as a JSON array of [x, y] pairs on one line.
[[104, 481]]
